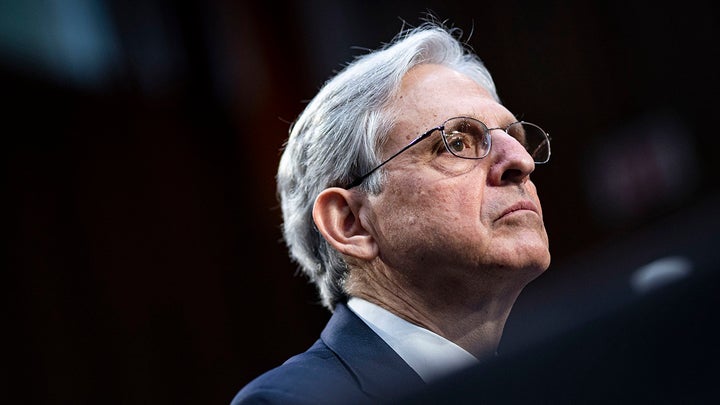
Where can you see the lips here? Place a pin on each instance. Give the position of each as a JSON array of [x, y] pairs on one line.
[[525, 205]]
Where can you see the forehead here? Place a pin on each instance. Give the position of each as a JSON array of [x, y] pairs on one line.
[[429, 94]]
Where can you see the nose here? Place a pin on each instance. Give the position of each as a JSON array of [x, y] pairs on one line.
[[510, 162]]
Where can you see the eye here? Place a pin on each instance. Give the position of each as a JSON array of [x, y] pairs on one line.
[[459, 142], [466, 137]]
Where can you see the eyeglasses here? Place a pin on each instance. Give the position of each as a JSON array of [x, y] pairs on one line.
[[468, 138]]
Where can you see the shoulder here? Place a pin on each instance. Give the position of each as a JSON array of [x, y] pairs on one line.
[[307, 378], [349, 364]]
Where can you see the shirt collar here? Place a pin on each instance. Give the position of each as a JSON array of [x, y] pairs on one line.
[[429, 354]]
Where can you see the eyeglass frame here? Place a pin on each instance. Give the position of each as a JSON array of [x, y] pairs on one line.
[[441, 128]]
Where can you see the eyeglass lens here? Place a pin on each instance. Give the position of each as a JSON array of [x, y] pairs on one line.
[[468, 138]]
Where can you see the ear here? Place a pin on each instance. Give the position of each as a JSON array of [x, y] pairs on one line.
[[336, 215]]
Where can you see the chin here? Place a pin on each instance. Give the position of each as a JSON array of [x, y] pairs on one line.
[[543, 264], [532, 259], [534, 267]]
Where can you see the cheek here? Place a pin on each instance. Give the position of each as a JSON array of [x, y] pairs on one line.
[[417, 209], [431, 205], [412, 207], [447, 212], [468, 208]]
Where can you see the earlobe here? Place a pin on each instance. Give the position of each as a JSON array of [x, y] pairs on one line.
[[337, 216]]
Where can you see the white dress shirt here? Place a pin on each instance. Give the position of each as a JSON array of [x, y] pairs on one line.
[[429, 354]]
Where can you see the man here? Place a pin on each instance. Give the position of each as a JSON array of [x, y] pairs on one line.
[[407, 200]]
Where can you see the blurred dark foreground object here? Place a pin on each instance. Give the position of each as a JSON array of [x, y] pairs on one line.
[[663, 348]]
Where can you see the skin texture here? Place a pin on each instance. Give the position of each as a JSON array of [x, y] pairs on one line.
[[449, 243]]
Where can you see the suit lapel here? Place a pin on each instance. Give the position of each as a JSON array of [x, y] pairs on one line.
[[380, 371]]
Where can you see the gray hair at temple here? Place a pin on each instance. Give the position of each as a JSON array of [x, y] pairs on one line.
[[338, 135]]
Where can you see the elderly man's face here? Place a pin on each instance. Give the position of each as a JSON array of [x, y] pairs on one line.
[[457, 216]]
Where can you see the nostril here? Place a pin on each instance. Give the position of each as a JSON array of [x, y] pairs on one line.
[[513, 175]]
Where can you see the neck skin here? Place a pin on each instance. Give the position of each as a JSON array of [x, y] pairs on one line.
[[470, 314]]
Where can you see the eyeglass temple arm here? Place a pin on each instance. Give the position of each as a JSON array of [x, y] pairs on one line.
[[360, 179]]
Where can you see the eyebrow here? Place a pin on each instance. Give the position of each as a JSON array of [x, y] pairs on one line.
[[484, 119]]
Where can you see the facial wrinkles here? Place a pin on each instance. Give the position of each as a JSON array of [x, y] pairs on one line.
[[445, 85], [427, 213], [421, 205], [464, 205]]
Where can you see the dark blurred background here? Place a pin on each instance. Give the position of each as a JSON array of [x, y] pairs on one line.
[[141, 142]]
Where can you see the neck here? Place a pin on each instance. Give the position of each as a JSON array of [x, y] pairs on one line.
[[470, 314]]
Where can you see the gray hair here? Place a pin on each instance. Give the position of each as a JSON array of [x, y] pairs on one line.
[[336, 138]]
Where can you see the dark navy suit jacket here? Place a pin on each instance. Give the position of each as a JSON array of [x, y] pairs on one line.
[[349, 364]]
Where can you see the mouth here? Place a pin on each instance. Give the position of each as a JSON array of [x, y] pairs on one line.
[[524, 206]]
